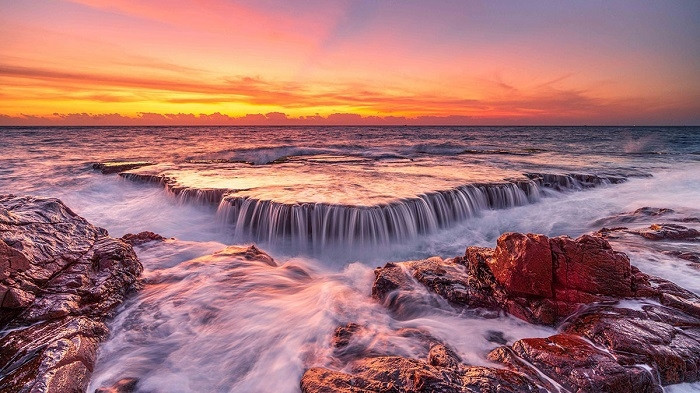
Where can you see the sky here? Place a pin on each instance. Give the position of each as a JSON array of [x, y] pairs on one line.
[[123, 62]]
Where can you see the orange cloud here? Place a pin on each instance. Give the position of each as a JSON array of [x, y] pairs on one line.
[[343, 62]]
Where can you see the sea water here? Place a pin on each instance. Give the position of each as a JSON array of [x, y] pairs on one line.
[[330, 204]]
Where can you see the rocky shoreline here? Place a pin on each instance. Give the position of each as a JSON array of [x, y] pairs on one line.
[[578, 286], [618, 329], [61, 278]]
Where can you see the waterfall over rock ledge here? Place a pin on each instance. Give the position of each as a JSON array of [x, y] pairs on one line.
[[312, 225]]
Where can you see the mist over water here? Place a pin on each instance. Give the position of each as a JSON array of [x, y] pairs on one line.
[[220, 322]]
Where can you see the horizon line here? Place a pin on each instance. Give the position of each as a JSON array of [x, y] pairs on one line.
[[339, 125]]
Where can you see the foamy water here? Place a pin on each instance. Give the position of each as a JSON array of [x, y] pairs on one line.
[[220, 323]]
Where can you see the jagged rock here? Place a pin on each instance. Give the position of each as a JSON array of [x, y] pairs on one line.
[[664, 338], [119, 166], [537, 279], [522, 264], [588, 266], [442, 356], [61, 277], [668, 232], [141, 238], [394, 284], [353, 341], [574, 364], [399, 374], [602, 347]]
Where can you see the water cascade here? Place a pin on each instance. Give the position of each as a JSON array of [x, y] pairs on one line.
[[318, 225]]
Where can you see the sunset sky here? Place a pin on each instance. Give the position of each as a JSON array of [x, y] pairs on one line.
[[347, 62]]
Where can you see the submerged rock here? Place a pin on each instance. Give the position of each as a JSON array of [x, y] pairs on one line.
[[641, 214], [670, 239], [119, 166], [141, 238], [669, 232], [124, 385], [61, 278]]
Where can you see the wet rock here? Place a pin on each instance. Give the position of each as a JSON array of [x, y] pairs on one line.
[[495, 337], [687, 255], [119, 166], [535, 278], [124, 385], [522, 264], [669, 232], [610, 233], [602, 347], [399, 374], [574, 364], [61, 277], [388, 279], [588, 265], [343, 334], [353, 341], [250, 253], [652, 211], [394, 283], [442, 356], [641, 214], [665, 292], [141, 238], [664, 338], [556, 276]]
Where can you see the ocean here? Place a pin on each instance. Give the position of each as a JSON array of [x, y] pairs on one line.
[[330, 204]]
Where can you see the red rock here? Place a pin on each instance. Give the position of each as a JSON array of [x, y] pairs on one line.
[[11, 261], [585, 274], [663, 338], [588, 266], [522, 264], [575, 364], [532, 277], [388, 279]]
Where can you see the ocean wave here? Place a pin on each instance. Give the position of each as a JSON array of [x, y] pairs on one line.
[[261, 155]]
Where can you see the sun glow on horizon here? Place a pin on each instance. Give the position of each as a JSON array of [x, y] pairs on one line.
[[508, 63]]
